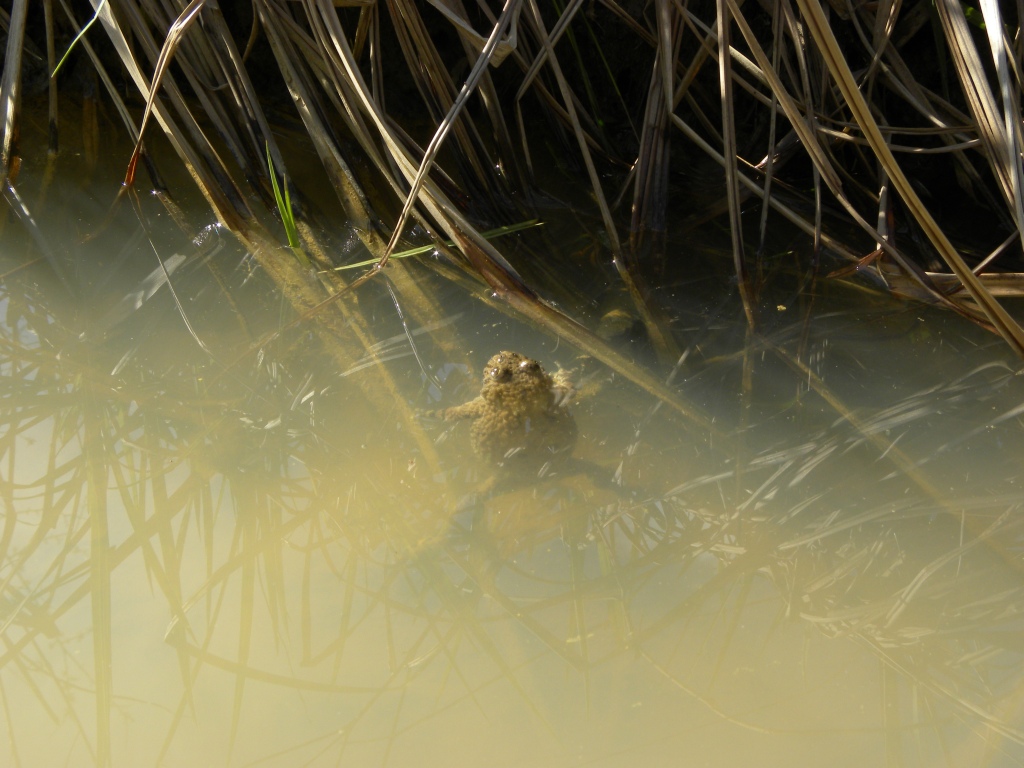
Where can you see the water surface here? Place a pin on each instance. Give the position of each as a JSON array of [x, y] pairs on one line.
[[225, 542]]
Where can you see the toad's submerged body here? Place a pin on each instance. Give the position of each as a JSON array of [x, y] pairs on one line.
[[520, 420]]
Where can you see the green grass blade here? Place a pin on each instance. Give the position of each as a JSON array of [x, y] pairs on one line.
[[284, 207], [78, 37], [490, 234]]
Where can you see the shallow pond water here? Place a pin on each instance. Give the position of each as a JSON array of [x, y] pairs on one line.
[[227, 542]]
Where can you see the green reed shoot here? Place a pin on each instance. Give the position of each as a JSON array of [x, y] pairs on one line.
[[284, 207], [488, 235]]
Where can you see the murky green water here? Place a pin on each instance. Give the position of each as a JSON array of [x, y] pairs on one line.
[[227, 543]]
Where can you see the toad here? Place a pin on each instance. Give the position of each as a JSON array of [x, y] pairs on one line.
[[521, 419]]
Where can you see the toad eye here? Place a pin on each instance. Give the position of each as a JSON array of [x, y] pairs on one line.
[[501, 374], [530, 366]]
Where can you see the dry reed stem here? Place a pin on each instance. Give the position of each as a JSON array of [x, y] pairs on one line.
[[1006, 326]]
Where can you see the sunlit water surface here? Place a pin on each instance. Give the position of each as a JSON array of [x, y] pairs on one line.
[[244, 556]]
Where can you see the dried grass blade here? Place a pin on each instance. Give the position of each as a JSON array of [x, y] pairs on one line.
[[506, 22], [829, 175], [439, 92], [660, 337], [542, 55], [201, 160], [788, 213], [936, 111], [818, 26], [1011, 108], [773, 116], [215, 73], [508, 158], [348, 76], [700, 57], [11, 84], [650, 172], [982, 102], [729, 152], [51, 54], [1009, 284], [112, 90], [174, 35], [478, 41]]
